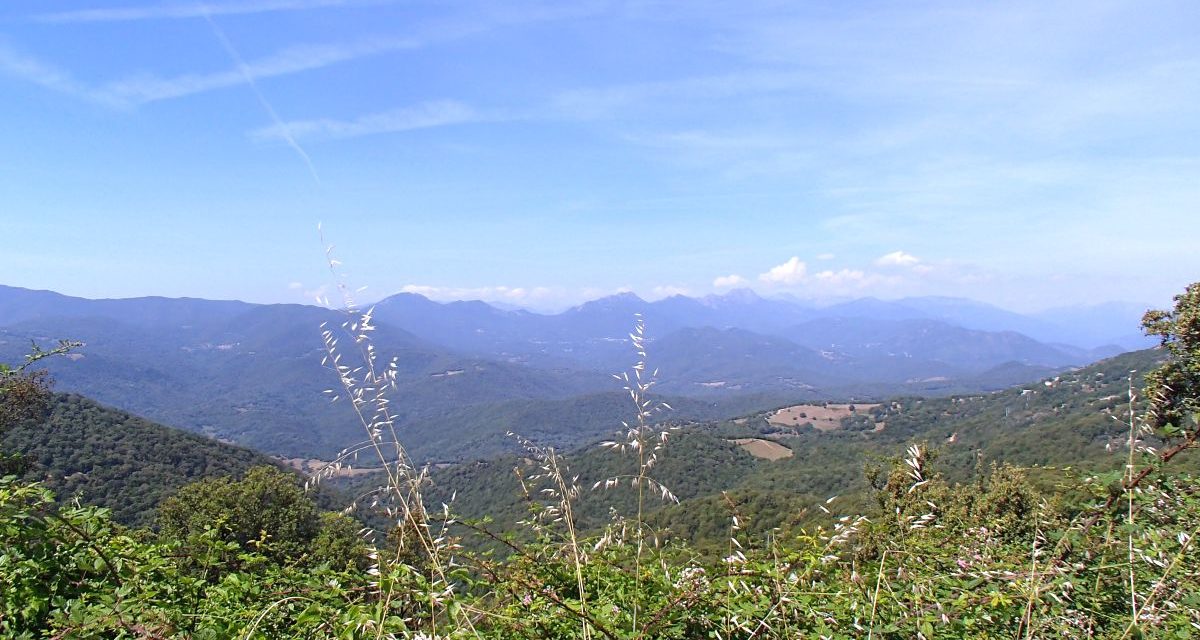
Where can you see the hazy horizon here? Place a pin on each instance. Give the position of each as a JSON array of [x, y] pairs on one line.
[[365, 298], [535, 154]]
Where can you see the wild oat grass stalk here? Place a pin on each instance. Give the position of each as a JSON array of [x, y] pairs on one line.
[[368, 384], [646, 443], [563, 491]]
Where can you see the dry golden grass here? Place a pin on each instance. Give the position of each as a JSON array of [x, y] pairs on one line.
[[765, 449], [312, 466], [823, 418]]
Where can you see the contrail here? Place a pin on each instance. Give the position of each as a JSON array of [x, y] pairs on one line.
[[245, 71]]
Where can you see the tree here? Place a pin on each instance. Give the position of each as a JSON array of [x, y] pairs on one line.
[[24, 394], [266, 511], [1173, 389]]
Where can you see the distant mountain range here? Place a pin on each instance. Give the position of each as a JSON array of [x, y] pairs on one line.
[[752, 342], [484, 327], [252, 373]]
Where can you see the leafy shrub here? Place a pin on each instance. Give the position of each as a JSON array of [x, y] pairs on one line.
[[265, 511]]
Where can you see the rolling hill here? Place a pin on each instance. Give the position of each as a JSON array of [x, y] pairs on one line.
[[1067, 419], [256, 376]]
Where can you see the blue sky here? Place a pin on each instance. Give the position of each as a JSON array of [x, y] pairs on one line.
[[1029, 154]]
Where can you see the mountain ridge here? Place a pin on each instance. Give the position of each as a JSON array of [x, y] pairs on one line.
[[252, 373]]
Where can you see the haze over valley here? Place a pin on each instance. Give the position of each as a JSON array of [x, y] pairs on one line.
[[252, 374]]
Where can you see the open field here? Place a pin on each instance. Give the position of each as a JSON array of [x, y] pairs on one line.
[[823, 417], [309, 466], [766, 449]]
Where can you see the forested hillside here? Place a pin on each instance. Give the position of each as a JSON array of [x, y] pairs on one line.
[[1066, 420], [112, 459]]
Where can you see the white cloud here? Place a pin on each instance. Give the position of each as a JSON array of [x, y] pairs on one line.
[[422, 116], [666, 291], [897, 259], [501, 293], [902, 260], [845, 279], [795, 275], [826, 256], [789, 273], [731, 280], [295, 286]]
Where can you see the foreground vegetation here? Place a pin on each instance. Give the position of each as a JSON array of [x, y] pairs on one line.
[[993, 559], [924, 551]]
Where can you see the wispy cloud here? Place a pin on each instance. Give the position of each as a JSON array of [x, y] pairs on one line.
[[581, 104], [929, 79], [47, 76], [295, 59], [196, 10], [570, 105], [604, 102], [146, 88], [423, 116]]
